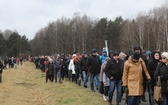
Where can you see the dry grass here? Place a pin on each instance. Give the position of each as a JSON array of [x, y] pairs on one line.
[[26, 86]]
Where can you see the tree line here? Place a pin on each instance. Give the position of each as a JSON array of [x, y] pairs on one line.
[[13, 45], [78, 34], [82, 33]]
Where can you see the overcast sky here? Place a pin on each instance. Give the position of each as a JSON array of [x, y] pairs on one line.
[[28, 16]]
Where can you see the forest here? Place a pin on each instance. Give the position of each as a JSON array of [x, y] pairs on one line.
[[82, 33]]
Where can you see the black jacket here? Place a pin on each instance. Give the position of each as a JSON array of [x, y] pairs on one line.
[[114, 69], [50, 67], [1, 67], [94, 64], [83, 64], [162, 71], [153, 64]]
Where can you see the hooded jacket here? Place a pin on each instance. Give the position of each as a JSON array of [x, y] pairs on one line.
[[103, 57], [153, 64], [83, 63]]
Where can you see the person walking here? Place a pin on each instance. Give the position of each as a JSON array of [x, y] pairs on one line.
[[5, 63], [77, 69], [84, 68], [113, 70], [57, 67], [152, 65], [1, 70], [162, 71], [49, 70], [71, 68], [133, 78], [143, 57], [104, 80], [103, 56], [94, 66]]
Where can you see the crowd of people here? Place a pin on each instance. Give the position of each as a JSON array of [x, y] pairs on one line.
[[10, 62], [133, 73]]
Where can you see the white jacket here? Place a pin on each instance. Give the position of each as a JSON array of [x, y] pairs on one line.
[[72, 66]]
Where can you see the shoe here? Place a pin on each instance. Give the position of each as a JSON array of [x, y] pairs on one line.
[[143, 99], [96, 87], [119, 103], [104, 98], [79, 81], [109, 103], [107, 97], [122, 98], [93, 90], [85, 86]]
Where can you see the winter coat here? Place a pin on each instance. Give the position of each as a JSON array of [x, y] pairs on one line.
[[67, 61], [133, 78], [72, 66], [77, 66], [102, 71], [94, 64], [143, 57], [103, 57], [103, 77], [50, 67], [57, 64], [1, 67], [63, 63], [83, 64], [106, 79], [114, 69], [152, 65], [162, 71]]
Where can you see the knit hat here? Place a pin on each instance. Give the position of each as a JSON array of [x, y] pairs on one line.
[[86, 53], [94, 50], [165, 54], [73, 55], [137, 48], [135, 55], [115, 53], [148, 53]]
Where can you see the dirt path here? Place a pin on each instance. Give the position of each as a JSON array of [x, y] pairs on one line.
[[26, 86]]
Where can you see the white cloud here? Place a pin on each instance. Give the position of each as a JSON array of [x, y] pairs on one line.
[[28, 16]]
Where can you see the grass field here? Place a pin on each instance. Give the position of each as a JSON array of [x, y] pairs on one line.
[[26, 86]]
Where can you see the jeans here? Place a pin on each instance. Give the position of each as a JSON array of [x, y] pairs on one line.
[[165, 99], [118, 84], [59, 73], [151, 100], [134, 100], [95, 77], [85, 77]]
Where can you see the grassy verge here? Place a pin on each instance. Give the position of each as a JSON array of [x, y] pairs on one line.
[[26, 86]]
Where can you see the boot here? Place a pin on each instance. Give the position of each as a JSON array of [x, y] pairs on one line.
[[79, 82], [143, 98], [55, 79]]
